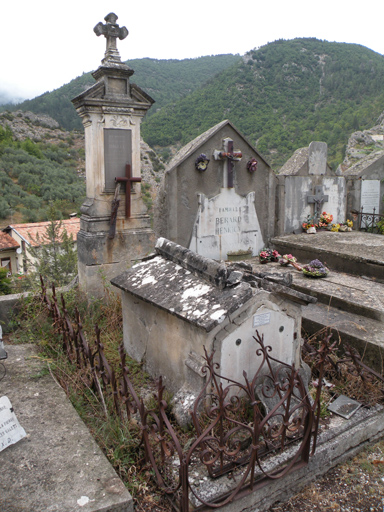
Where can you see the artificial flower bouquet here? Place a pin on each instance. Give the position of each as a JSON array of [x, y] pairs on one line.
[[288, 259], [325, 219], [268, 255], [309, 223], [315, 269]]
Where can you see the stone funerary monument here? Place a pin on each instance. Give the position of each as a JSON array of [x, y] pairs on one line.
[[111, 238], [177, 302], [218, 196]]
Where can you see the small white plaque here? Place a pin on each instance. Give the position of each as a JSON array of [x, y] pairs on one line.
[[10, 430], [263, 319]]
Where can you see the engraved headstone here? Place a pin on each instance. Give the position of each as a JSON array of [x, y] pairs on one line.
[[10, 430], [226, 223], [370, 195], [227, 205]]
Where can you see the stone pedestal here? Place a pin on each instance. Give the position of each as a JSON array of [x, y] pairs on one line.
[[111, 112]]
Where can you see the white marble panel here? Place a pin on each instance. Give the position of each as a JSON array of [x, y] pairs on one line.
[[226, 223]]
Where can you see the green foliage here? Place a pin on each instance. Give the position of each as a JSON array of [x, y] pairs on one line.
[[282, 96], [6, 138], [33, 175], [380, 227], [31, 148], [165, 80], [54, 256], [5, 282]]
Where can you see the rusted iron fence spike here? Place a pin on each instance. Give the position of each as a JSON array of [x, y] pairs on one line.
[[232, 430]]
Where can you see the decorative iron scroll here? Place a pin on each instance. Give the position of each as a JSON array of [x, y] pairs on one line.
[[235, 434], [368, 221]]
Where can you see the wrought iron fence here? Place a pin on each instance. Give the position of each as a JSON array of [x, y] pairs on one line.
[[371, 222], [255, 431]]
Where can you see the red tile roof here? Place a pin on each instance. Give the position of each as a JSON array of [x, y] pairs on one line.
[[7, 242], [30, 231]]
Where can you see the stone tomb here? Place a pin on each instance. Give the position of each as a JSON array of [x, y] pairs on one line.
[[178, 302], [308, 186], [218, 196]]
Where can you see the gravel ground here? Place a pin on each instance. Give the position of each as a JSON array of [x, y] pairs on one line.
[[355, 486]]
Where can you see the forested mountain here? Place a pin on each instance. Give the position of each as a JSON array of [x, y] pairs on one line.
[[165, 80], [41, 166], [282, 96]]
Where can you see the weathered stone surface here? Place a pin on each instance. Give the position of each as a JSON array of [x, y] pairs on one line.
[[340, 442], [111, 112], [187, 193], [178, 302], [301, 176], [352, 306], [58, 466], [177, 290]]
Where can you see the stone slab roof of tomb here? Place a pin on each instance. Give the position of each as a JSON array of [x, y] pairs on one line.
[[199, 290]]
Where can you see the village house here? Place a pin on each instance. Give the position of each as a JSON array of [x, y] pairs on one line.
[[9, 253], [29, 235]]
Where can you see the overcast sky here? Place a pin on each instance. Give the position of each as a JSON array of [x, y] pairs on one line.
[[45, 44]]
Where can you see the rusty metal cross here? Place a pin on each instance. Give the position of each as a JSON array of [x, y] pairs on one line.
[[128, 179], [229, 156], [111, 31]]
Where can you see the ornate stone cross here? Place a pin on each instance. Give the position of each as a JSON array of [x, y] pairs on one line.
[[229, 157], [128, 179], [111, 31], [318, 199]]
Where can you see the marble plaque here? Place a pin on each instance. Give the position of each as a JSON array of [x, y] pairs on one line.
[[226, 223], [370, 195], [317, 158], [10, 430], [334, 188], [239, 348], [117, 154]]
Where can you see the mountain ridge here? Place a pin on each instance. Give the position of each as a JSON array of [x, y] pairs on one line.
[[281, 96]]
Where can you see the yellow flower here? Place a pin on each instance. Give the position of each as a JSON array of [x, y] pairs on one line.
[[335, 227], [349, 223]]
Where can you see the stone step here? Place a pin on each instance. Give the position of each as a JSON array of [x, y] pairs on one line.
[[355, 253], [363, 333], [358, 296], [58, 465], [353, 307]]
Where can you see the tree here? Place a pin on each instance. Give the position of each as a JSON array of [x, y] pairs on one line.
[[54, 256], [5, 282]]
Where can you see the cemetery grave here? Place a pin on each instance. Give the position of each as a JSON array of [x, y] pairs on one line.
[[225, 340], [341, 437]]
